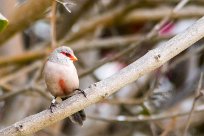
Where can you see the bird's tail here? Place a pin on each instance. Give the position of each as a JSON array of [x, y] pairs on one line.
[[78, 117]]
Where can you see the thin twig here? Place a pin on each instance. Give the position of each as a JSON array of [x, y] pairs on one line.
[[194, 51], [157, 27], [23, 58], [171, 1], [113, 42], [128, 101], [153, 128], [6, 87], [42, 92], [25, 88], [53, 24], [146, 14], [14, 92], [20, 72], [141, 118], [198, 94], [169, 127], [180, 5]]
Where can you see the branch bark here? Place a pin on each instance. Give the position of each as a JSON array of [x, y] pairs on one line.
[[100, 90]]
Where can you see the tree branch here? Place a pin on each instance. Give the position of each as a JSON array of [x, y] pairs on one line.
[[113, 42], [100, 90]]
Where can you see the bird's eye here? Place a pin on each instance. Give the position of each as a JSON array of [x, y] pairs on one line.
[[68, 54]]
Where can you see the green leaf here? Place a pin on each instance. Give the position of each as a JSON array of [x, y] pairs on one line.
[[145, 110], [3, 22]]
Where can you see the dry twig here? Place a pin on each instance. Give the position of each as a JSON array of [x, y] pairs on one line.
[[141, 118], [53, 24], [198, 94], [20, 72], [142, 14]]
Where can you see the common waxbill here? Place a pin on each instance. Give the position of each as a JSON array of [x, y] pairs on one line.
[[62, 79]]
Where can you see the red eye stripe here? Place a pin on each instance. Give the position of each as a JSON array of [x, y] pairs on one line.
[[63, 53], [66, 54]]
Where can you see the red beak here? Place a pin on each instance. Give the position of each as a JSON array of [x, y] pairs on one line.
[[73, 58]]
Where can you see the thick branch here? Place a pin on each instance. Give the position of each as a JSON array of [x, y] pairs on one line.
[[100, 90]]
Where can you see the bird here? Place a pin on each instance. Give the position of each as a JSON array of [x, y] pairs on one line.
[[61, 78]]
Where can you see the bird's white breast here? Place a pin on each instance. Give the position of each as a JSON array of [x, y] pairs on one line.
[[54, 72]]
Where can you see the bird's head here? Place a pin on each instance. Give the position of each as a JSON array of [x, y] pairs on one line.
[[67, 52], [63, 53]]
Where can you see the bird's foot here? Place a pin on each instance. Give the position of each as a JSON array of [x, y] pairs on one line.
[[53, 104], [64, 98], [81, 91]]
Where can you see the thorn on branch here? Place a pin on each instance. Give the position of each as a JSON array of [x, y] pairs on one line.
[[19, 127], [157, 57], [93, 85], [105, 95]]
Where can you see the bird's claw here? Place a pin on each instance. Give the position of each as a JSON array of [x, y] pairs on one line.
[[52, 105], [82, 91]]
